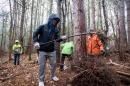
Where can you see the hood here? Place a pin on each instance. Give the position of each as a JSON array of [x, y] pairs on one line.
[[92, 31], [53, 17], [16, 41]]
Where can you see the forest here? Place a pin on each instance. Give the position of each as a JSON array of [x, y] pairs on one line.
[[108, 20]]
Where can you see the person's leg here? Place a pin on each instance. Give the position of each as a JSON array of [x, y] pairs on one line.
[[18, 58], [62, 62], [70, 61], [52, 57], [15, 58], [42, 62]]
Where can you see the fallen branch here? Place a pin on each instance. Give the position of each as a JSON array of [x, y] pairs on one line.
[[123, 73], [72, 78], [116, 64], [4, 79]]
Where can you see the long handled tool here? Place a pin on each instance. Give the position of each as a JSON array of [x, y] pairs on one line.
[[59, 39], [67, 38]]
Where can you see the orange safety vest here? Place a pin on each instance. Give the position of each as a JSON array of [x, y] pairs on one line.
[[93, 45]]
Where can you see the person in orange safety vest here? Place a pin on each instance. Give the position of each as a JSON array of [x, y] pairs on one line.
[[94, 45]]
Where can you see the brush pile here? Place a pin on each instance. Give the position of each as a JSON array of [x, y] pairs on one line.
[[94, 73]]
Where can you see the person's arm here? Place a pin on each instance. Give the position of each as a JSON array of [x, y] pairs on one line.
[[36, 33], [21, 49], [13, 48], [57, 36], [36, 37], [100, 44], [62, 45]]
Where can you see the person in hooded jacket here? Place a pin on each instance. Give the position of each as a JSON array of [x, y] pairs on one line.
[[17, 50], [43, 34]]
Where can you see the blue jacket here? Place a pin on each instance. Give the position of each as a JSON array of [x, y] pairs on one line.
[[46, 33]]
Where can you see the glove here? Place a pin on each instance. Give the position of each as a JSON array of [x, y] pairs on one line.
[[37, 45], [107, 48], [64, 37]]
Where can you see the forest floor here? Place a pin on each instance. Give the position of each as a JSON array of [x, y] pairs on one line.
[[26, 74]]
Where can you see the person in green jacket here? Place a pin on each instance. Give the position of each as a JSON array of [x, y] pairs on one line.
[[17, 50], [67, 51]]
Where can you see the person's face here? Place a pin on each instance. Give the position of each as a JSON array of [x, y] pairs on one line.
[[55, 22], [17, 43], [93, 33]]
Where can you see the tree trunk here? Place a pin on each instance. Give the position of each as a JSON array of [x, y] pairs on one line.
[[30, 37], [51, 6], [10, 31], [128, 19], [63, 17], [79, 27], [122, 30], [2, 35], [2, 39], [58, 44], [22, 21], [105, 16], [88, 26], [100, 15], [93, 14]]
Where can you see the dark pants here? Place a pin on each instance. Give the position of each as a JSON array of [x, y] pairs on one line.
[[63, 59], [16, 59]]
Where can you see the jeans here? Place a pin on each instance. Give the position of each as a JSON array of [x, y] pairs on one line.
[[16, 59], [42, 62]]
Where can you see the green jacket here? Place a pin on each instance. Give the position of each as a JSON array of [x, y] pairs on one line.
[[17, 48], [67, 48]]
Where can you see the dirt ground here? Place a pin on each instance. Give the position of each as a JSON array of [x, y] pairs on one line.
[[26, 74]]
